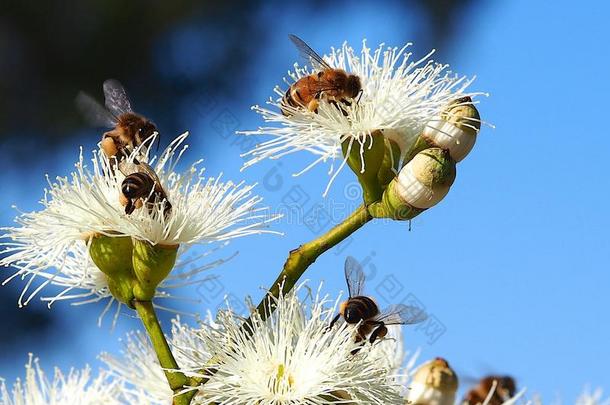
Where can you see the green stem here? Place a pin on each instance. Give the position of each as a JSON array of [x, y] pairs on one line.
[[297, 263], [301, 258], [176, 379]]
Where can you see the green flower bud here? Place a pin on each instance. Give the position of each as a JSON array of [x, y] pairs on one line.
[[390, 164], [113, 256], [151, 264], [372, 152], [433, 383], [422, 183]]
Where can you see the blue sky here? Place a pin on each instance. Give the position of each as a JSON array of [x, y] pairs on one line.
[[513, 263]]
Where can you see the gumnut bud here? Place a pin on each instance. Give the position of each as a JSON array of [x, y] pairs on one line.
[[421, 183], [433, 383], [151, 265], [113, 256]]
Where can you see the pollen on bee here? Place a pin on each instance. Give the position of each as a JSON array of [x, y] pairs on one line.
[[342, 308], [123, 200], [109, 147]]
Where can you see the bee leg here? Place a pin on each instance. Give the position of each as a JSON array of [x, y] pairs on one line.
[[332, 323], [123, 200], [336, 105], [129, 207], [359, 339], [359, 96], [108, 146], [313, 105], [125, 153], [380, 333]]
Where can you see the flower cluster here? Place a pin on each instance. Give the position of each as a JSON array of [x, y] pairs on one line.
[[400, 97], [52, 245], [292, 357]]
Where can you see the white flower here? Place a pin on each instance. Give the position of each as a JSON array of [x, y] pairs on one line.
[[81, 282], [292, 358], [139, 368], [391, 354], [50, 244], [400, 97], [78, 387], [592, 398]]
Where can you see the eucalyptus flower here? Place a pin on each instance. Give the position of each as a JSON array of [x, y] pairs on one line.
[[79, 210], [391, 353], [77, 387], [292, 357], [595, 397], [401, 98]]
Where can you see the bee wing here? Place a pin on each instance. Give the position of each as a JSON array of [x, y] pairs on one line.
[[321, 86], [309, 54], [400, 314], [354, 277], [128, 167], [117, 101], [94, 112], [146, 168]]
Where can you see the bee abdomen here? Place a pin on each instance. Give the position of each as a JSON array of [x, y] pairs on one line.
[[288, 100], [137, 185], [360, 308]]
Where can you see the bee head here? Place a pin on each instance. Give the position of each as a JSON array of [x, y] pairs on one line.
[[146, 129], [353, 86], [351, 314], [507, 386]]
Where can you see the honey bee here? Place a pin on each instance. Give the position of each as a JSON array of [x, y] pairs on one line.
[[506, 388], [141, 185], [363, 310], [130, 130], [330, 84]]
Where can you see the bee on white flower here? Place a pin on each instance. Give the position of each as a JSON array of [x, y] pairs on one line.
[[400, 97], [51, 245], [77, 387], [292, 357]]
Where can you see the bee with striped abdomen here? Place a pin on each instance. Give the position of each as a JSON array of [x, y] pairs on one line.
[[141, 185], [130, 129], [505, 389], [363, 310], [330, 84]]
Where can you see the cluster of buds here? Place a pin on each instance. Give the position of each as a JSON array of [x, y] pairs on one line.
[[400, 183], [133, 268], [436, 383]]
